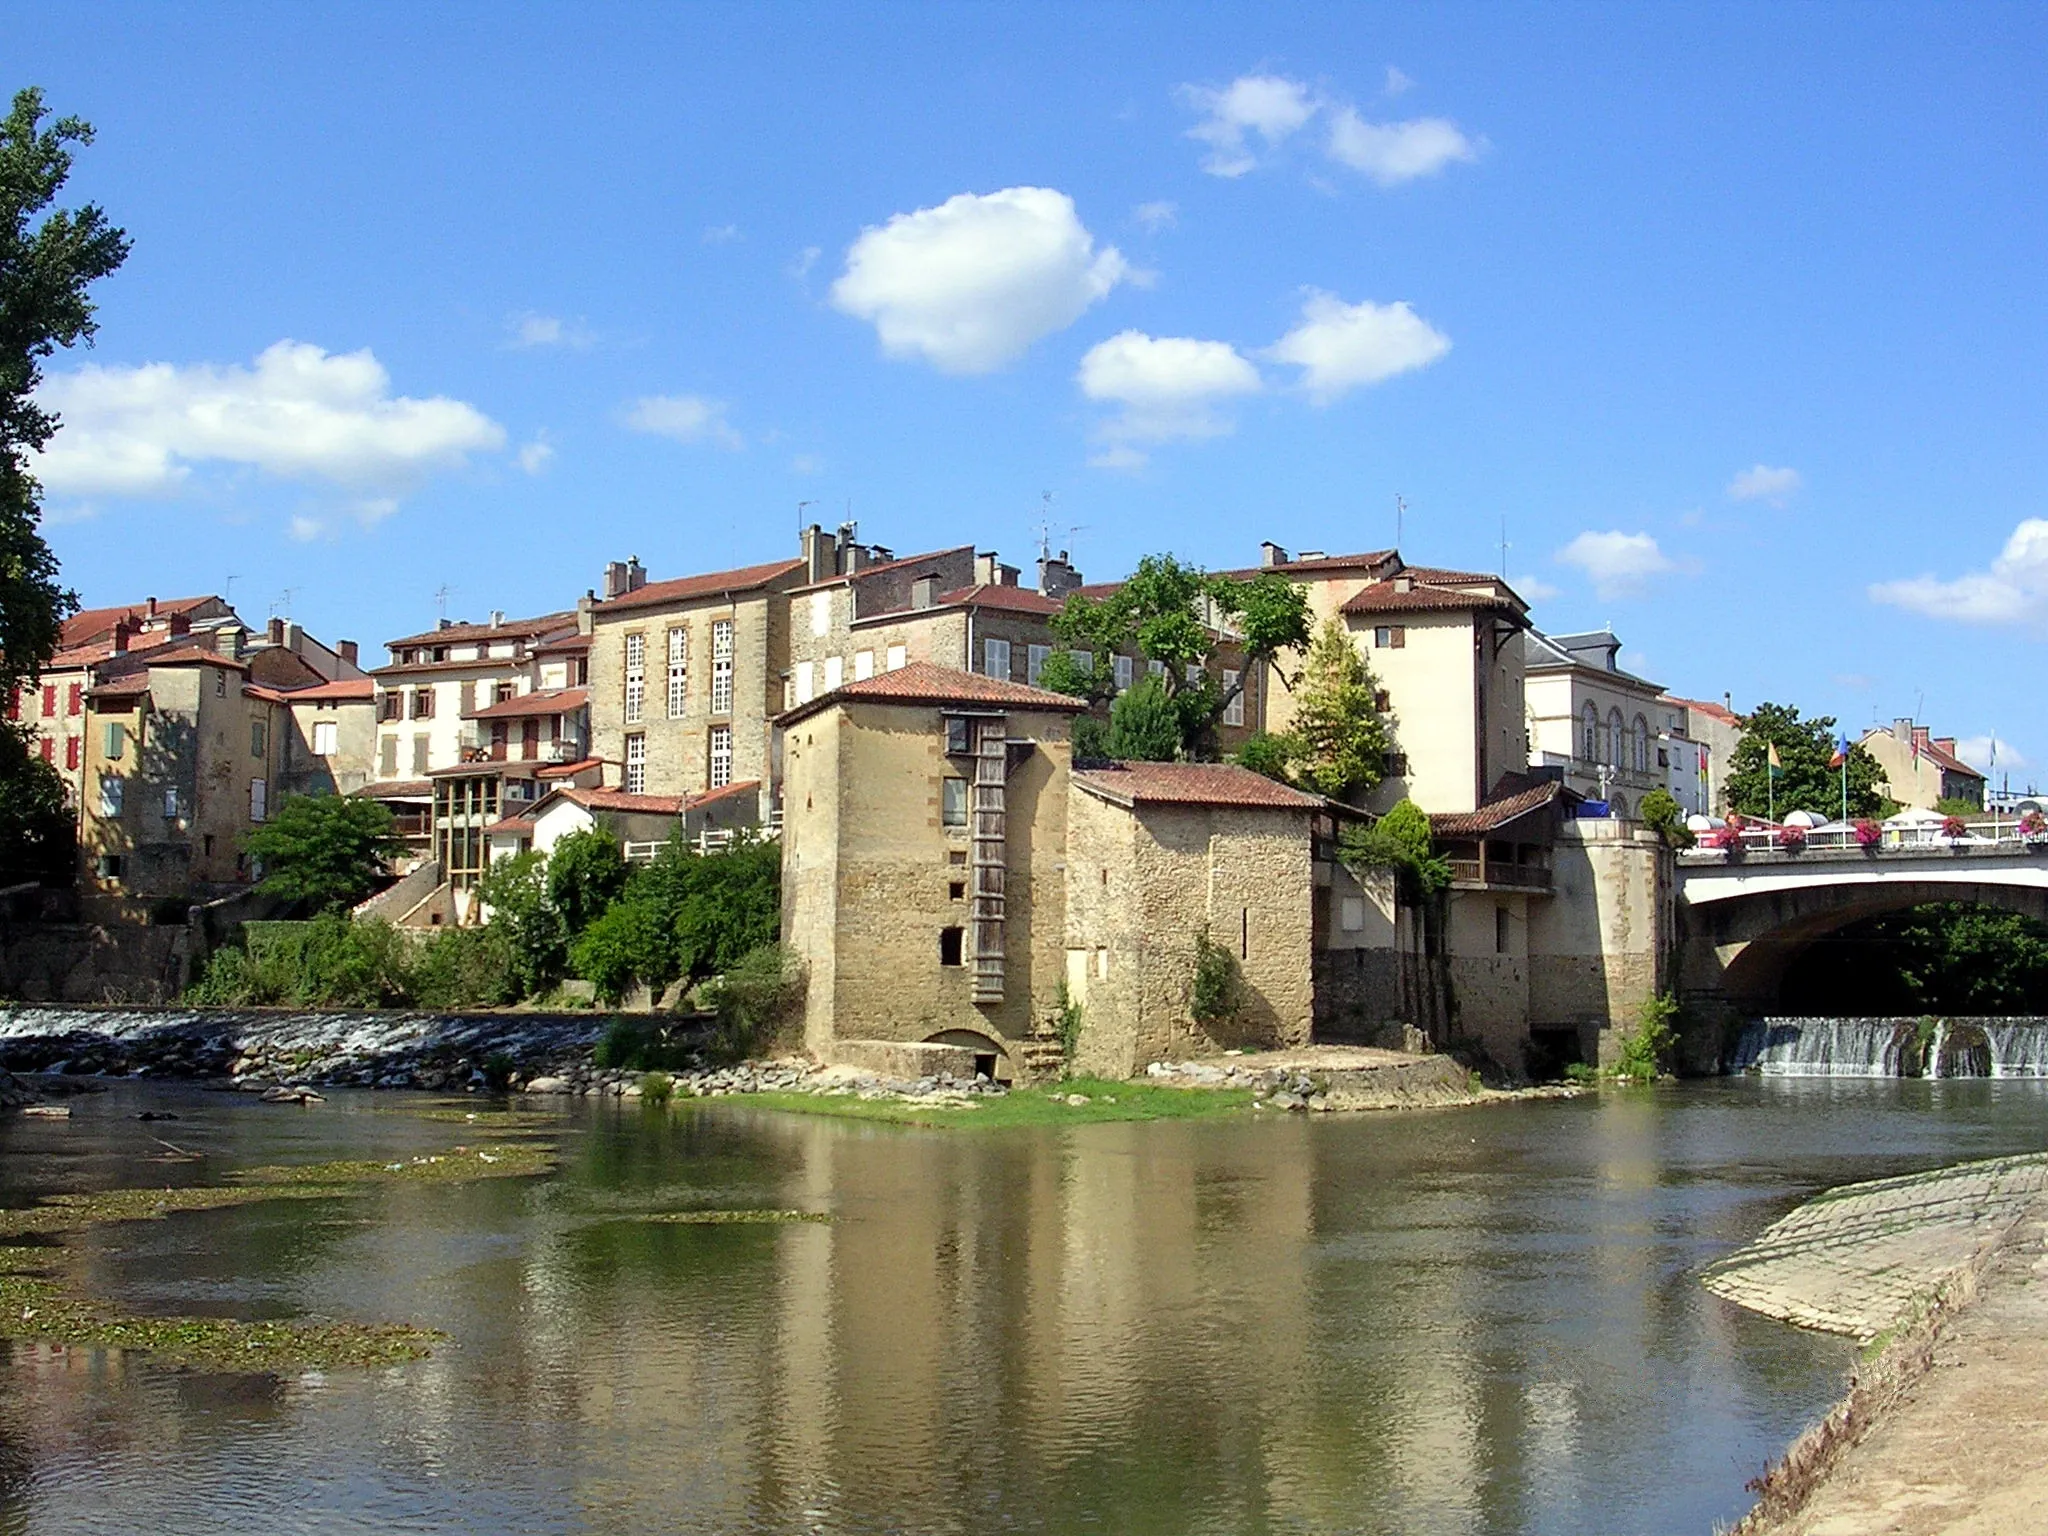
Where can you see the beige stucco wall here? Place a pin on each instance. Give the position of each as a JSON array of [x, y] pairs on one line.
[[1557, 697], [302, 771], [1491, 984], [868, 872], [1431, 682], [1143, 884], [1598, 945]]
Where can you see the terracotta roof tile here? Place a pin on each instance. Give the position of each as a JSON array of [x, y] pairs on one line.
[[511, 824], [923, 682], [559, 701], [395, 789], [511, 629], [895, 564], [92, 623], [1701, 706], [730, 791], [686, 588], [342, 691], [1008, 599], [1513, 797], [1209, 784], [619, 800], [569, 770], [1387, 597], [1324, 565]]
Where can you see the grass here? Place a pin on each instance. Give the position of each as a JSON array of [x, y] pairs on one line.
[[39, 1303], [1048, 1105]]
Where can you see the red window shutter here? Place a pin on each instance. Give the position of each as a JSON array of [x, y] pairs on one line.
[[14, 703], [71, 751], [75, 704], [49, 750], [49, 700]]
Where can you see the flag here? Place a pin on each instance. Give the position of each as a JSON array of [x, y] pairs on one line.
[[1841, 757], [1775, 768]]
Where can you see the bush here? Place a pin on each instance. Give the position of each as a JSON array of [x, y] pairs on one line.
[[752, 999], [1399, 841], [628, 943], [1215, 992], [586, 873], [515, 891], [328, 851], [1270, 753], [1144, 724], [656, 1088], [329, 962], [1646, 1053], [638, 1045], [466, 968], [1663, 815], [1070, 1031]]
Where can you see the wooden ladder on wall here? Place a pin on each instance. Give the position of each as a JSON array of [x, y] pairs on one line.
[[986, 811]]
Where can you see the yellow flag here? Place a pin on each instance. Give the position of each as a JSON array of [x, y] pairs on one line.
[[1776, 767]]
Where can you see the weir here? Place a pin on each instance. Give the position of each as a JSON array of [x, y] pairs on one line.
[[1893, 1047]]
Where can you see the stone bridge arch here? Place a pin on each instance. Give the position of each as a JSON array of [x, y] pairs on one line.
[[1734, 948]]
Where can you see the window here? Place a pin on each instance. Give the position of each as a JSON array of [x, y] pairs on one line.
[[1084, 662], [74, 700], [1396, 765], [995, 658], [325, 736], [821, 613], [259, 799], [48, 749], [170, 802], [110, 794], [1382, 701], [71, 752], [220, 685], [423, 702], [1351, 914], [1034, 661], [806, 683], [49, 701], [899, 656], [1617, 740], [952, 802], [678, 672], [390, 706], [721, 756], [1642, 745], [504, 693], [636, 677], [1390, 637], [1589, 734], [959, 736], [1124, 668], [259, 735], [1503, 935], [721, 666], [109, 866], [387, 757], [835, 672], [950, 945], [1192, 674], [117, 740], [956, 890], [419, 755], [1155, 669], [636, 763], [1233, 712], [863, 665]]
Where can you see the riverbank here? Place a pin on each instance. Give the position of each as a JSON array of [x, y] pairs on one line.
[[1943, 1428]]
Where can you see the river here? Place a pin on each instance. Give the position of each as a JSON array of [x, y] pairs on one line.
[[1468, 1321]]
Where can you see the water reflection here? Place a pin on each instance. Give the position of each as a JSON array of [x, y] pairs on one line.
[[1465, 1322]]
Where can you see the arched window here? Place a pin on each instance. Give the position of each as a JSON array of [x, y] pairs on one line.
[[1589, 725], [1617, 739], [1618, 806], [1642, 745]]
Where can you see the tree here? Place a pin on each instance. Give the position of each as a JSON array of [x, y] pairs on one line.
[[586, 874], [1171, 613], [1340, 737], [1811, 780], [1398, 841], [1144, 725], [515, 892], [325, 850], [46, 268]]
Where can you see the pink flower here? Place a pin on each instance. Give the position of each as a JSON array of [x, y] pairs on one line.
[[1792, 837], [1868, 833]]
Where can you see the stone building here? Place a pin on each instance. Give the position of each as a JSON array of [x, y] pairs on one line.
[[1614, 735], [1717, 731], [1920, 768], [429, 692]]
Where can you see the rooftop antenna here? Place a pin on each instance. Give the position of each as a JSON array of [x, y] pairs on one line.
[[1045, 501], [800, 514], [1400, 514], [441, 596], [1504, 547], [286, 598], [227, 595]]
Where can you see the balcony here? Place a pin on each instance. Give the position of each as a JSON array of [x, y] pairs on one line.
[[1491, 875], [567, 750]]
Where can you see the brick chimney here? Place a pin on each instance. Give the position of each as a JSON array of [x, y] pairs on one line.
[[122, 633], [1271, 554], [150, 607], [180, 625], [1920, 737], [1057, 577], [273, 632], [347, 650]]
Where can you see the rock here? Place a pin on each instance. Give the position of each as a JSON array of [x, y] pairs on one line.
[[47, 1112], [292, 1096], [1288, 1101], [549, 1085], [1078, 1099]]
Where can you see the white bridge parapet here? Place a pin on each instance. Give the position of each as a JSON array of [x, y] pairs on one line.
[[1707, 875]]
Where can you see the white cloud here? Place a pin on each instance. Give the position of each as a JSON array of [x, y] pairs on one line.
[[1618, 563], [1398, 84], [1977, 752], [299, 412], [1391, 153], [1340, 346], [1157, 215], [307, 529], [531, 329], [972, 283], [2013, 591], [1271, 106], [686, 418], [1534, 589], [1169, 388], [536, 455], [1760, 482], [720, 234]]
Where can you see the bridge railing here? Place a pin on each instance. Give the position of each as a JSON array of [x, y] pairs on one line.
[[1980, 839]]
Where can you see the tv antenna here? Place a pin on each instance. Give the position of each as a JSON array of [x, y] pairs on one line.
[[1504, 547], [441, 595], [800, 514], [1400, 515], [284, 600], [227, 595]]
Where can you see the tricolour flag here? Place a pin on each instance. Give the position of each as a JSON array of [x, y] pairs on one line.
[[1776, 768], [1842, 750]]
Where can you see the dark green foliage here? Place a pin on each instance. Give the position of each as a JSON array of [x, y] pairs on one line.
[[1216, 990], [1399, 841], [586, 873], [1069, 1019], [36, 831], [324, 850], [1339, 739], [1268, 752], [1946, 958], [640, 1045], [1805, 748], [1646, 1052], [1144, 724], [1063, 672], [752, 997], [49, 258], [1663, 815], [516, 893], [1091, 740], [1958, 805], [465, 968], [329, 962], [727, 905], [629, 942]]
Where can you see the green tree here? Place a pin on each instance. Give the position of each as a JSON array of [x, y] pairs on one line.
[[1662, 814], [687, 916], [49, 259], [586, 873], [1144, 725], [515, 891], [1342, 736], [1398, 841], [1808, 782], [324, 850], [1172, 614]]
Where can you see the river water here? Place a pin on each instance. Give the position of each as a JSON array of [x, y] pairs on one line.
[[1468, 1321]]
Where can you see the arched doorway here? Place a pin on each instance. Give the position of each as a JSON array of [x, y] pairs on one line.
[[990, 1059]]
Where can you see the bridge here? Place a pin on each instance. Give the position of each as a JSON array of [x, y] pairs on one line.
[[1743, 913]]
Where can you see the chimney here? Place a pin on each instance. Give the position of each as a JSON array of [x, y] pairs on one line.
[[586, 613], [924, 592], [817, 554], [1947, 744], [348, 651], [1920, 737], [1309, 554], [986, 570], [844, 550], [121, 634], [151, 607], [1056, 577], [1902, 730], [181, 624], [1404, 583], [497, 618], [614, 579], [1271, 554], [636, 574], [445, 624], [273, 632]]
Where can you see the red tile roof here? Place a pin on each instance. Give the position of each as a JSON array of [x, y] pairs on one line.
[[268, 695], [569, 770], [687, 588], [511, 824], [559, 701], [93, 623], [332, 693], [511, 629], [1325, 565], [1007, 599], [713, 796], [1513, 797], [556, 644], [395, 789], [1425, 597], [923, 682], [1711, 711], [1208, 784], [895, 564], [619, 800]]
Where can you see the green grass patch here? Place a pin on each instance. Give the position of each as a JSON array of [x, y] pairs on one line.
[[1048, 1105]]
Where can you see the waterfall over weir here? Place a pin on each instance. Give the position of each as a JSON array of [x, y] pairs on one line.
[[1901, 1047]]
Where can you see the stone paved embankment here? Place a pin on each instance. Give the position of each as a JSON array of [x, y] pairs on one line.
[[1945, 1431]]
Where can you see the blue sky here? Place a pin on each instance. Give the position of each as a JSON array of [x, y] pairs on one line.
[[1736, 316]]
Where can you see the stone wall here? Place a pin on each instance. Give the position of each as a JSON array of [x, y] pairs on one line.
[[1600, 945], [92, 963]]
